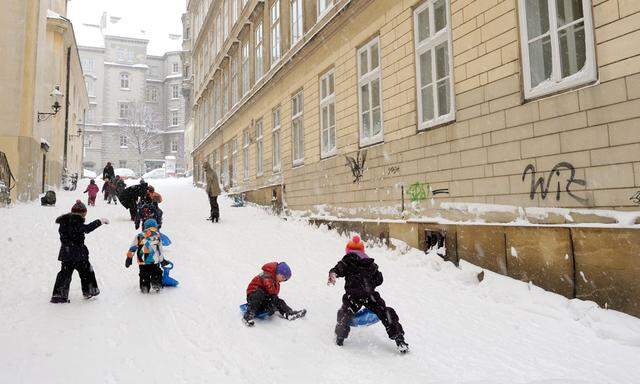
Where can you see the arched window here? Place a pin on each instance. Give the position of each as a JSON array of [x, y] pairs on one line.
[[124, 81]]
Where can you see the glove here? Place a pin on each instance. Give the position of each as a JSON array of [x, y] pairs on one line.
[[127, 262], [332, 279]]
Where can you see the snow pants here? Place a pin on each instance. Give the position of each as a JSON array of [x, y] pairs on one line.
[[258, 301], [150, 277], [92, 200], [87, 279], [352, 304], [215, 208]]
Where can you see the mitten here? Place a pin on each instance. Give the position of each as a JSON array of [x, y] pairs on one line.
[[332, 279], [127, 262]]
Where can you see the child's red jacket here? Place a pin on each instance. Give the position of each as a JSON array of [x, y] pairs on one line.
[[266, 280], [93, 190]]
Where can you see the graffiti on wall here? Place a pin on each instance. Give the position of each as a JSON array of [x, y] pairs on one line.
[[420, 191], [394, 170], [635, 198], [544, 186], [356, 165]]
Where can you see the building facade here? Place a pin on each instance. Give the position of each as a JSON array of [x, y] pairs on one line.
[[136, 113], [424, 105], [39, 68]]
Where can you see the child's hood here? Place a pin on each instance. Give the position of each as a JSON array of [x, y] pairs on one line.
[[270, 268], [70, 218]]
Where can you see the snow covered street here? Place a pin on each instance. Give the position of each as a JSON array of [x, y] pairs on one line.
[[459, 330]]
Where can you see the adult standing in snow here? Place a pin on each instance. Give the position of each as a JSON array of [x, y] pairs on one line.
[[74, 254], [213, 191], [129, 197], [108, 172]]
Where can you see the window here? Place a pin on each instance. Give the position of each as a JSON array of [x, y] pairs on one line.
[[557, 45], [218, 33], [131, 56], [152, 94], [122, 164], [224, 172], [245, 68], [123, 142], [225, 91], [88, 141], [217, 102], [175, 118], [124, 81], [187, 33], [259, 148], [88, 65], [89, 84], [124, 110], [225, 19], [258, 54], [120, 54], [234, 161], [234, 12], [297, 129], [175, 91], [174, 145], [275, 32], [327, 115], [90, 117], [275, 136], [245, 154], [176, 68], [433, 64], [370, 93], [324, 6], [234, 81], [296, 21]]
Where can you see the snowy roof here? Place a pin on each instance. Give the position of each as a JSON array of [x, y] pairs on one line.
[[89, 35]]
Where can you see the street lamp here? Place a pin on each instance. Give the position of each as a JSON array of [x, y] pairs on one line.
[[56, 95]]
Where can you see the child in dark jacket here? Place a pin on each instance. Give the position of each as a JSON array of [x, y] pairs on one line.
[[263, 290], [74, 255], [361, 279], [92, 190]]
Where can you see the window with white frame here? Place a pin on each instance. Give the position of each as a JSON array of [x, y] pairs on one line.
[[324, 6], [176, 67], [259, 60], [234, 12], [259, 148], [175, 91], [217, 103], [275, 32], [131, 55], [175, 118], [434, 67], [275, 138], [370, 93], [219, 40], [89, 84], [297, 129], [91, 114], [234, 81], [557, 41], [124, 80], [174, 145], [224, 172], [245, 154], [123, 141], [122, 163], [124, 110], [234, 160], [120, 54], [327, 114], [88, 65], [152, 94], [245, 68], [225, 19], [225, 91], [296, 21]]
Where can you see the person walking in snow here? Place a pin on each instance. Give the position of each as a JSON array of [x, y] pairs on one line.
[[262, 294], [74, 254], [361, 279], [213, 191], [110, 188], [147, 247], [92, 190], [108, 172], [148, 208], [130, 195]]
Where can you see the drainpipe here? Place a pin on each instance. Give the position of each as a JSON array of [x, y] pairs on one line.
[[66, 110]]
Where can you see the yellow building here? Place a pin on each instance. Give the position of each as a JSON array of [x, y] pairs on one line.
[[43, 98], [347, 104]]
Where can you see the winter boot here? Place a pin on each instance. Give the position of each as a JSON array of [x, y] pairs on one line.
[[156, 287], [247, 319], [92, 292], [339, 341], [403, 347], [59, 300], [295, 314]]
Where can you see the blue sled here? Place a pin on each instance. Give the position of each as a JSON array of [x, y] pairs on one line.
[[364, 317], [165, 240], [261, 315], [168, 281]]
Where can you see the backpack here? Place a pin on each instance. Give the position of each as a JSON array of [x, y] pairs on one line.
[[49, 198]]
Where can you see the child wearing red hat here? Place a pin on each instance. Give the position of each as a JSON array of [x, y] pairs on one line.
[[361, 279], [74, 255], [263, 290]]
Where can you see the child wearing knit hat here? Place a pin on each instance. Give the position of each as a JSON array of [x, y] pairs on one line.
[[362, 277], [263, 290], [74, 254]]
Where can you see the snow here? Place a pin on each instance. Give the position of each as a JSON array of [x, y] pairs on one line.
[[460, 330], [124, 172], [89, 174], [53, 15]]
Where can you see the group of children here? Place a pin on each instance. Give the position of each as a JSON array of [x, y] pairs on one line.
[[360, 272], [111, 188]]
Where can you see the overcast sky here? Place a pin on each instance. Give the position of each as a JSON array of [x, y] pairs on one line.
[[158, 17]]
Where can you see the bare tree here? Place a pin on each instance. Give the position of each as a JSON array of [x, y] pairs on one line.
[[140, 127]]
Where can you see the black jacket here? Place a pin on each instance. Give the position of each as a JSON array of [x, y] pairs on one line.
[[72, 230], [108, 172], [129, 197], [120, 186], [361, 274]]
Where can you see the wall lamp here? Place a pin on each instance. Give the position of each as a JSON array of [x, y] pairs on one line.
[[56, 95]]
